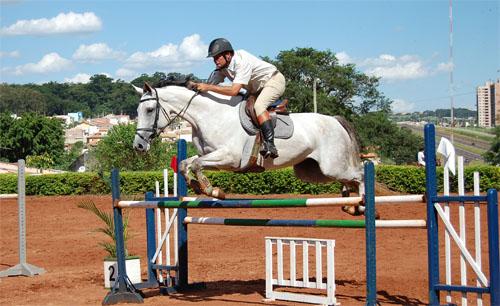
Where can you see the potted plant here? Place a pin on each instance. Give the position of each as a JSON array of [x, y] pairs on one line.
[[132, 263]]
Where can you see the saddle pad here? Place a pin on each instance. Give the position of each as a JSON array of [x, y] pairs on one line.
[[283, 124]]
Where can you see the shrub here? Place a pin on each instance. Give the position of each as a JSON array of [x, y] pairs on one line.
[[405, 179]]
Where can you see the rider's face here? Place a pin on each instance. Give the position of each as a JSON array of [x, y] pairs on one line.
[[220, 60]]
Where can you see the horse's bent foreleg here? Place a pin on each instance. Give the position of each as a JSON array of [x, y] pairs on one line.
[[219, 159], [186, 171], [205, 185]]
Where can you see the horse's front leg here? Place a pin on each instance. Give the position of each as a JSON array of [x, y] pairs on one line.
[[215, 160], [186, 171]]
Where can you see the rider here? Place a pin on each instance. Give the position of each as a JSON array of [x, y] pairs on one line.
[[258, 77]]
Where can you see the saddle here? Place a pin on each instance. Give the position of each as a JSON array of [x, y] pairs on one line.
[[251, 160], [278, 107], [282, 123]]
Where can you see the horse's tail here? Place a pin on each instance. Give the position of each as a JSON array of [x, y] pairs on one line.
[[352, 134]]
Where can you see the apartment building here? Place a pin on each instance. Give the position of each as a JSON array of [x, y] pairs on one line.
[[488, 104], [497, 102]]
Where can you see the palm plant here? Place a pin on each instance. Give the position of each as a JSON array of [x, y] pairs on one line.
[[109, 227]]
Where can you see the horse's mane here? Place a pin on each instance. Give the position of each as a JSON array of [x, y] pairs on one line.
[[172, 81]]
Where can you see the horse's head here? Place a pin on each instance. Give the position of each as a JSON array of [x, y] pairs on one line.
[[151, 117]]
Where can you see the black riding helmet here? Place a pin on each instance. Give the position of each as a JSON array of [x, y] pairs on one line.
[[219, 45]]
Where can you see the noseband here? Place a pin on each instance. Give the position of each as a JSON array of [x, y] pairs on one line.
[[155, 130]]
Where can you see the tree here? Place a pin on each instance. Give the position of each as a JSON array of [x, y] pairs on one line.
[[30, 135], [99, 89], [116, 151], [391, 143], [41, 162], [153, 79], [20, 99], [341, 89], [70, 156], [492, 156]]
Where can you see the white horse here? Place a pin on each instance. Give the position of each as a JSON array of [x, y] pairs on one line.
[[322, 148]]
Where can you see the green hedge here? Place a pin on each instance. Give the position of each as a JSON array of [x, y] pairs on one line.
[[70, 183], [405, 179], [411, 179]]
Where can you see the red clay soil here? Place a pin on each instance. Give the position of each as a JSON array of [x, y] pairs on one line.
[[230, 260]]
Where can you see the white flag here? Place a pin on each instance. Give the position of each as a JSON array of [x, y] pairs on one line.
[[447, 149]]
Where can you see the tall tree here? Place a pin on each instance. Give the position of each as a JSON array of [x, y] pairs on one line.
[[31, 134], [100, 87], [341, 89], [116, 151], [393, 144], [20, 99]]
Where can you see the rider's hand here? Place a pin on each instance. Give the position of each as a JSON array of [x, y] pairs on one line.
[[202, 87]]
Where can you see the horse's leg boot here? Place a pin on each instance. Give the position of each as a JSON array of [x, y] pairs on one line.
[[268, 148]]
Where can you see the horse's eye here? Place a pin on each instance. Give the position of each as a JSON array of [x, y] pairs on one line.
[[150, 110]]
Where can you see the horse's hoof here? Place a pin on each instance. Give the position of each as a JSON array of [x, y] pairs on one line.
[[351, 210], [218, 193]]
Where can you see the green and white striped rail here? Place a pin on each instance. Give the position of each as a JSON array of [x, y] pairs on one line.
[[268, 203]]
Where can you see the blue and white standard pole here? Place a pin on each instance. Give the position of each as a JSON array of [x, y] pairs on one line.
[[123, 290], [371, 249]]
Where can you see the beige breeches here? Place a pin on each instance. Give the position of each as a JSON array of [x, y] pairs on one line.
[[273, 89]]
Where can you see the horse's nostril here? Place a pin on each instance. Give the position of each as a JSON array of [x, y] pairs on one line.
[[140, 146]]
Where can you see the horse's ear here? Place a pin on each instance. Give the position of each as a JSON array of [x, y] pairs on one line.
[[138, 89], [147, 88]]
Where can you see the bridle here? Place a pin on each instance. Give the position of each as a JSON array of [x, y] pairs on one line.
[[155, 130]]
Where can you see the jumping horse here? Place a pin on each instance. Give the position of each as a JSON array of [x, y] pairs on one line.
[[321, 149]]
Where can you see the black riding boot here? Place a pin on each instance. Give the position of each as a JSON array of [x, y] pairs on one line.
[[268, 150]]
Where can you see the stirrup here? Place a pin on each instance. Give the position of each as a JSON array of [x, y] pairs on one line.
[[267, 151]]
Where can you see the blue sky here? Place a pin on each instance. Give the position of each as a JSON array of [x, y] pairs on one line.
[[406, 43]]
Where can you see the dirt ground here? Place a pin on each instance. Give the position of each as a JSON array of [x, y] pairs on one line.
[[229, 260]]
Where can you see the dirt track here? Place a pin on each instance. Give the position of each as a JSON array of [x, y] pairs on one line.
[[230, 260]]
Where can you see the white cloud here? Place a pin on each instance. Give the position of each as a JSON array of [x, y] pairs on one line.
[[9, 54], [51, 62], [444, 67], [344, 58], [171, 56], [402, 106], [124, 73], [193, 48], [78, 78], [96, 52], [61, 24], [390, 67]]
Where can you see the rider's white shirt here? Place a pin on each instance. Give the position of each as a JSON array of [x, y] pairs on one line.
[[245, 69]]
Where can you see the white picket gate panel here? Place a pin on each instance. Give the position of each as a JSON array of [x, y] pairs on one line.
[[459, 237], [317, 283]]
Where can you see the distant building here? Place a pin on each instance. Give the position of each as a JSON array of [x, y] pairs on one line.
[[497, 102], [66, 120], [488, 104], [72, 136], [118, 119], [76, 117]]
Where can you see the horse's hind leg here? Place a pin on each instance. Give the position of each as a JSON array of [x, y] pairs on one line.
[[351, 210], [356, 210]]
